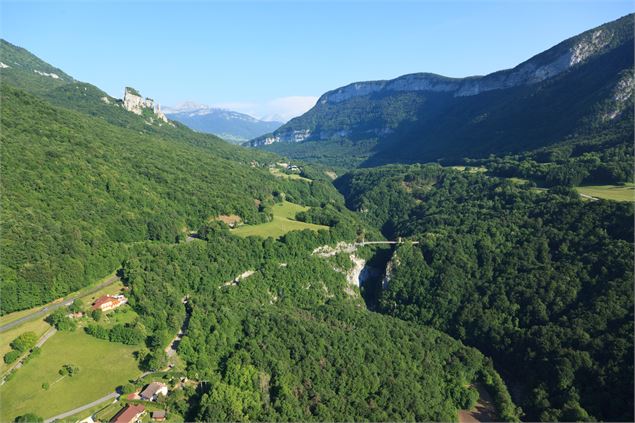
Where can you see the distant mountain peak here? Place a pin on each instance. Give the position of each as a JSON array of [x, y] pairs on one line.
[[233, 126]]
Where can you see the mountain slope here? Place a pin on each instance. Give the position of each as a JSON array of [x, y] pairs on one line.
[[582, 84], [232, 126], [22, 69], [90, 100], [89, 186], [84, 177]]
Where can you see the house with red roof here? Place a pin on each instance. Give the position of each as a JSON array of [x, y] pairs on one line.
[[109, 302], [129, 414]]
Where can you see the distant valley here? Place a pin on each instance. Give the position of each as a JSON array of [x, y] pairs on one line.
[[419, 249], [232, 126]]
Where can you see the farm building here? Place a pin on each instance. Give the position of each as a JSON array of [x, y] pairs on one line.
[[153, 390], [109, 302], [129, 414]]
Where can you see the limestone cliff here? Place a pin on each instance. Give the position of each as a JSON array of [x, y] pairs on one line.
[[372, 110], [135, 103]]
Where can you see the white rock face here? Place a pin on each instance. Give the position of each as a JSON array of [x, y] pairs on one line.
[[3, 66], [548, 64], [287, 136], [160, 114], [587, 47], [328, 251], [52, 75], [135, 104], [622, 93], [529, 72]]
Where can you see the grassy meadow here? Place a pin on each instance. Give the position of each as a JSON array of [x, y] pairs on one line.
[[283, 221], [281, 174], [102, 366], [38, 326], [624, 192]]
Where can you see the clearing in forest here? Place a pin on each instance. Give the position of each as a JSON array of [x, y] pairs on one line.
[[283, 221], [624, 192]]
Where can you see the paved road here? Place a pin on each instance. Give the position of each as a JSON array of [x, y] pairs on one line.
[[49, 309], [111, 395]]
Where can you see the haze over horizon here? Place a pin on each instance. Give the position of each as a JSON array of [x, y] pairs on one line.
[[273, 60]]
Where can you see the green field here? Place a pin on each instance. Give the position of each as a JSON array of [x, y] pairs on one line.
[[122, 315], [103, 366], [283, 222], [281, 174], [39, 326], [624, 192]]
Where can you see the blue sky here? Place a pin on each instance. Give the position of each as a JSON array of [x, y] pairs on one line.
[[269, 58]]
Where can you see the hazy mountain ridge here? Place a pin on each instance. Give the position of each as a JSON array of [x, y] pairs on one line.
[[232, 126]]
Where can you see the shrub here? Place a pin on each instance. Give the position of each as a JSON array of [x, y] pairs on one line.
[[29, 418], [11, 356], [24, 342]]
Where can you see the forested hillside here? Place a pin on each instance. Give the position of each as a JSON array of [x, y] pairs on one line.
[[514, 283], [77, 189], [288, 343], [422, 118], [541, 281]]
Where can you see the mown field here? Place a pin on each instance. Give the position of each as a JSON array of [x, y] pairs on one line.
[[283, 221], [624, 192], [281, 174], [38, 326], [102, 366]]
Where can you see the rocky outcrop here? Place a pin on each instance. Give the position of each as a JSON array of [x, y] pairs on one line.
[[546, 65], [283, 136], [328, 251], [135, 103], [51, 74], [317, 123], [622, 94], [390, 268]]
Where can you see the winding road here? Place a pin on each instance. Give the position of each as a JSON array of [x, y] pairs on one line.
[[51, 308]]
